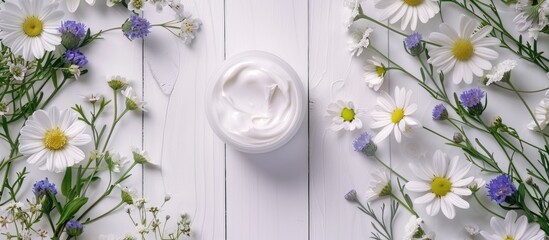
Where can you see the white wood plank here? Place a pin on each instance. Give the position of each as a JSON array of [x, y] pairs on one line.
[[335, 168], [176, 130], [267, 194]]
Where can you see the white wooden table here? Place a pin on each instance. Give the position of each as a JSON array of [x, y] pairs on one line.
[[293, 193]]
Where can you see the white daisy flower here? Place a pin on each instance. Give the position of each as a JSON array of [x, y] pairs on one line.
[[351, 7], [465, 52], [117, 82], [72, 5], [394, 115], [380, 185], [141, 156], [136, 5], [374, 73], [189, 27], [359, 40], [18, 71], [344, 115], [498, 73], [52, 139], [443, 184], [116, 162], [407, 11], [513, 229], [132, 101], [29, 28], [542, 114], [413, 229]]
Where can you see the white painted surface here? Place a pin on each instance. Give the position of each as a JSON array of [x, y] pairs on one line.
[[295, 192]]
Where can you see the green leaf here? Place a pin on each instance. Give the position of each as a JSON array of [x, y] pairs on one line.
[[71, 208], [66, 185], [409, 201]]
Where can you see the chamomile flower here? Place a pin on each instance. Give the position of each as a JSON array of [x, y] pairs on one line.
[[52, 139], [344, 115], [351, 7], [29, 27], [465, 52], [380, 185], [394, 115], [407, 11], [542, 114], [359, 40], [513, 228], [501, 72], [374, 73], [413, 228], [18, 71], [443, 185]]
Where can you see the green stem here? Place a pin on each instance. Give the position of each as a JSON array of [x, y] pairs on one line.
[[485, 208], [389, 168], [411, 210]]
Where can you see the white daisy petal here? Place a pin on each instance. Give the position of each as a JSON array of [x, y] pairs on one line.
[[407, 13], [344, 116], [392, 114], [513, 228]]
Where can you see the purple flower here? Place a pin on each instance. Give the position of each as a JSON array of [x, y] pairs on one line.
[[74, 228], [364, 144], [413, 44], [440, 112], [500, 188], [136, 27], [351, 196], [75, 57], [41, 187], [72, 33], [472, 100], [413, 40]]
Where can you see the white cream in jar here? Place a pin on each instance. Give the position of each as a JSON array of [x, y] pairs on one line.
[[256, 103]]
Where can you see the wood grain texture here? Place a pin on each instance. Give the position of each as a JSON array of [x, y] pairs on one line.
[[192, 158], [267, 194]]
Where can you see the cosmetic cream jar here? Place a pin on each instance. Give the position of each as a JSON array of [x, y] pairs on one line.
[[256, 102]]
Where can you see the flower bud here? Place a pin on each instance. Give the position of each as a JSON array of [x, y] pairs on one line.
[[74, 228]]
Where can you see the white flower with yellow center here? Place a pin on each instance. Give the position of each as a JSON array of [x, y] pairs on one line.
[[407, 11], [466, 52], [344, 115], [394, 115], [52, 139], [512, 228], [380, 185], [374, 73], [443, 185], [542, 114], [29, 27], [189, 27]]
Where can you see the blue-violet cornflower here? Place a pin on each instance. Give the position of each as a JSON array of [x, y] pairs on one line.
[[75, 57], [74, 228], [72, 33], [472, 100], [41, 187], [136, 27], [500, 188], [364, 144], [440, 112], [413, 44]]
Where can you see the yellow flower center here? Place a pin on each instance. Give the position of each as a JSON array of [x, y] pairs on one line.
[[508, 238], [380, 71], [55, 139], [413, 2], [348, 115], [441, 186], [397, 115], [463, 49], [32, 26], [188, 27]]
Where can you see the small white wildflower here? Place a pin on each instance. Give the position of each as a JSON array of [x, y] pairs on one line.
[[18, 71], [189, 27], [351, 11], [542, 114], [135, 5], [159, 4], [140, 156], [116, 162], [413, 228], [359, 40], [472, 229], [75, 71], [178, 8], [142, 229], [92, 98], [117, 82], [380, 185], [4, 108], [132, 101], [111, 3], [167, 197], [500, 72]]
